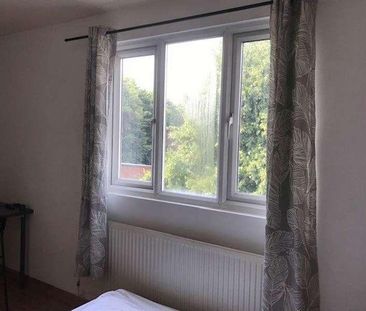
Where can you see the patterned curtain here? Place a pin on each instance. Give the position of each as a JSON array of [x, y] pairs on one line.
[[291, 269], [91, 253]]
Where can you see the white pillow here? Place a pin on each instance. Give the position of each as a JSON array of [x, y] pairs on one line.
[[121, 300]]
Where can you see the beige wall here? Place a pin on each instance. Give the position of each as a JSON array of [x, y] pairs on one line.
[[341, 95], [41, 98], [42, 95]]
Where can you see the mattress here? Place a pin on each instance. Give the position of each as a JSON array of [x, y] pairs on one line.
[[122, 300]]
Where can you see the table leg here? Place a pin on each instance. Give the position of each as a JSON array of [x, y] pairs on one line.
[[3, 264], [22, 251]]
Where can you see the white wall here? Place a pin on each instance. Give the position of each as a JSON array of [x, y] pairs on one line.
[[341, 104], [41, 98]]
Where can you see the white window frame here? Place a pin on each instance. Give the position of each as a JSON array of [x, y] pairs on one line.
[[117, 95], [233, 162], [226, 199]]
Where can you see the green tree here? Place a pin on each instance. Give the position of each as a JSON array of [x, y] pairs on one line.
[[185, 167], [191, 138], [192, 147], [137, 113], [253, 118]]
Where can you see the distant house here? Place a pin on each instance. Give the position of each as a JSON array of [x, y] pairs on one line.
[[134, 171]]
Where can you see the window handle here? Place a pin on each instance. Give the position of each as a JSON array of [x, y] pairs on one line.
[[230, 122], [153, 122]]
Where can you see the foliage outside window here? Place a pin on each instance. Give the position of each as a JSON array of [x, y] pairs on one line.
[[253, 117], [187, 152]]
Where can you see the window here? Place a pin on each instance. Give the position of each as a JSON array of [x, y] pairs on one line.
[[137, 113], [190, 117], [251, 95], [136, 95], [192, 107]]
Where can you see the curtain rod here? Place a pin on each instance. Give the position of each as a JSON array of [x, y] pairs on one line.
[[181, 19]]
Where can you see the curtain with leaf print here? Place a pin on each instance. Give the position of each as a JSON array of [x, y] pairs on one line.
[[291, 269], [92, 243]]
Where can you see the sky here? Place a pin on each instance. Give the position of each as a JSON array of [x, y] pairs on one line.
[[188, 66]]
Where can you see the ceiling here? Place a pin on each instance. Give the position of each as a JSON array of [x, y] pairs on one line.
[[21, 15]]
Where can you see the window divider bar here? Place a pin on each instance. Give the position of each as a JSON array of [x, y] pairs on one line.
[[234, 109], [224, 113], [159, 116]]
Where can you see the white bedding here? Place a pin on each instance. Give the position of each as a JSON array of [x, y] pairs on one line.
[[122, 300]]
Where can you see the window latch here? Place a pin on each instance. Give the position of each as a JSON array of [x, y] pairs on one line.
[[230, 122]]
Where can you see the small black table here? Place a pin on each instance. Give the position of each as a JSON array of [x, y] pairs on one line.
[[17, 210]]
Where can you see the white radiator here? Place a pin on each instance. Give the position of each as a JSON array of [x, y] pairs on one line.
[[182, 273]]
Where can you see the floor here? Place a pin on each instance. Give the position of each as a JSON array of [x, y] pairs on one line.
[[37, 296]]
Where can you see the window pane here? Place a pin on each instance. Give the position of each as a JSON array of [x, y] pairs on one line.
[[253, 117], [193, 86], [137, 112]]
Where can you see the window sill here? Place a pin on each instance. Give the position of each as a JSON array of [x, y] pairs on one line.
[[232, 207]]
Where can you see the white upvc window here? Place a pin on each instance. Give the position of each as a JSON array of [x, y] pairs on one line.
[[134, 118], [190, 117], [250, 95]]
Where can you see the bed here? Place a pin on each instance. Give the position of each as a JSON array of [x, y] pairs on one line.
[[122, 300]]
